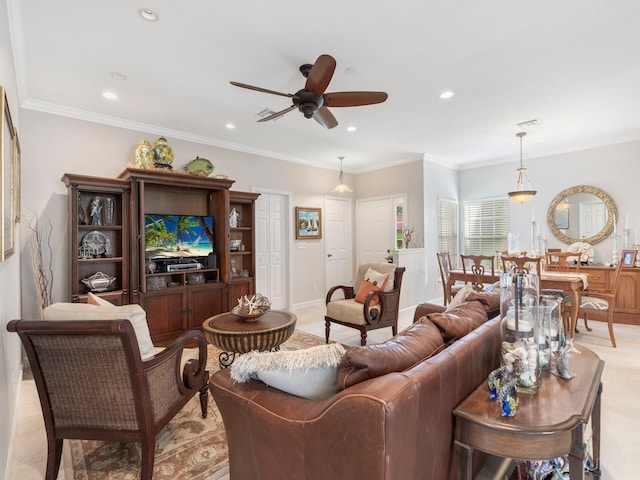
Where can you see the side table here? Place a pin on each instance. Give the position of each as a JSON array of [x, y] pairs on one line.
[[547, 425], [234, 335]]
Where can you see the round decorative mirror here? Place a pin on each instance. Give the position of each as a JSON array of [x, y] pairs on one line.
[[581, 214]]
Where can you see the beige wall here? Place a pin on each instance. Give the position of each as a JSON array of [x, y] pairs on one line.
[[10, 363]]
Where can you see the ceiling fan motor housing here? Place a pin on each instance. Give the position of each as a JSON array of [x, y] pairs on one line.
[[307, 102]]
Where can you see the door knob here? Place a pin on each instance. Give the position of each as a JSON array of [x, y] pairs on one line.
[[329, 255]]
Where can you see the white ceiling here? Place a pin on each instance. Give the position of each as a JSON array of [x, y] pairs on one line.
[[572, 64]]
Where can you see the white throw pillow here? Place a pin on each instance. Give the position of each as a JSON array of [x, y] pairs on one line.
[[460, 297], [376, 278], [83, 311], [309, 373]]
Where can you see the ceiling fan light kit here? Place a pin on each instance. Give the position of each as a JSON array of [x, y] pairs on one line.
[[341, 187], [522, 193], [312, 101]]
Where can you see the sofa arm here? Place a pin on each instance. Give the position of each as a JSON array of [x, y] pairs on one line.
[[424, 309], [352, 434]]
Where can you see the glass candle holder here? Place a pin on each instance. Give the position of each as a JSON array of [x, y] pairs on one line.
[[519, 328]]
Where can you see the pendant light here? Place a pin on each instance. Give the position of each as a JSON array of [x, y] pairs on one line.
[[522, 194], [341, 187]]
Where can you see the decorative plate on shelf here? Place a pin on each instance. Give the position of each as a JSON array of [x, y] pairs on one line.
[[96, 240]]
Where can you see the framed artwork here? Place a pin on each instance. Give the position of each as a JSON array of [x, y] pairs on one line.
[[562, 218], [7, 179], [16, 175], [629, 258], [308, 223]]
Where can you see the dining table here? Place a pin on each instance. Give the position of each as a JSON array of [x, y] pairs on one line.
[[572, 284]]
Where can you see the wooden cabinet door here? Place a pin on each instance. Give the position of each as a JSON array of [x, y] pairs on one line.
[[205, 301], [628, 294], [238, 288], [166, 313]]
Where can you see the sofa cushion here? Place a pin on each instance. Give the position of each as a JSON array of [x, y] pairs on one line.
[[98, 301], [459, 321], [460, 297], [84, 311], [412, 345], [348, 310], [309, 373], [490, 300]]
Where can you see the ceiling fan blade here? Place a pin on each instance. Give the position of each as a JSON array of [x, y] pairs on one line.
[[260, 89], [320, 75], [273, 116], [325, 118], [353, 99]]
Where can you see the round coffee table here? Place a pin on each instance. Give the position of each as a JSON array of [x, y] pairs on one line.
[[234, 335]]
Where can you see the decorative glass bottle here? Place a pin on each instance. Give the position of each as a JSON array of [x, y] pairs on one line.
[[519, 324], [551, 337]]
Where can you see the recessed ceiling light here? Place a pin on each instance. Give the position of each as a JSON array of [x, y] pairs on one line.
[[149, 15], [110, 95], [118, 76], [351, 129], [230, 126], [445, 95]]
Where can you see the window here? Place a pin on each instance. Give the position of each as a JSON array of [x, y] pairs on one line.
[[448, 229], [486, 226]]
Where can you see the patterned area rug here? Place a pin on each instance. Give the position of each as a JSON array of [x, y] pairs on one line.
[[189, 447]]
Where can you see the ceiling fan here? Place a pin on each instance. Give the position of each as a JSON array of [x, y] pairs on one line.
[[312, 101]]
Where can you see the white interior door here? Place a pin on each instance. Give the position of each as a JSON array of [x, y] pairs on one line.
[[272, 262], [338, 242], [593, 217], [374, 229]]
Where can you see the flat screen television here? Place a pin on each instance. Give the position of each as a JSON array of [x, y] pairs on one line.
[[177, 236]]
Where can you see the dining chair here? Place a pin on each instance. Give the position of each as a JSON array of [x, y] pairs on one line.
[[566, 262], [521, 264], [475, 268], [448, 290], [601, 303]]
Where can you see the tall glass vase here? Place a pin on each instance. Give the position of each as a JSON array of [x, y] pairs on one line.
[[519, 325]]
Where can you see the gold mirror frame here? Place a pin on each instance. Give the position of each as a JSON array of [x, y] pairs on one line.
[[602, 195]]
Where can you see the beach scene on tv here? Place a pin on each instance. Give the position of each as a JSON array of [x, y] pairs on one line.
[[177, 236]]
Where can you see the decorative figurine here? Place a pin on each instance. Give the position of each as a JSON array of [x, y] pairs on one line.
[[508, 398], [96, 211], [495, 382], [233, 218]]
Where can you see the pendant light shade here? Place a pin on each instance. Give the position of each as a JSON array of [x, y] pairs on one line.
[[341, 187], [523, 192]]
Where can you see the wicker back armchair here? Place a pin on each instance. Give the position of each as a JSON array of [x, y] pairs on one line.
[[93, 385]]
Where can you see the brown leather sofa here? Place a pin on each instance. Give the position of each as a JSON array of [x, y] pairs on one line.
[[396, 425]]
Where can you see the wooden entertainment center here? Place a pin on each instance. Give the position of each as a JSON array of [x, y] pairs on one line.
[[196, 289]]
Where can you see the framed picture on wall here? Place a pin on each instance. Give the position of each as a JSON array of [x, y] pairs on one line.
[[7, 193], [308, 223]]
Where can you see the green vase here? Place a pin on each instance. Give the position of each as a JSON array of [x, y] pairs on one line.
[[162, 153]]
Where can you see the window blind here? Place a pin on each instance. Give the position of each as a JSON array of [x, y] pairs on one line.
[[448, 229], [486, 226]]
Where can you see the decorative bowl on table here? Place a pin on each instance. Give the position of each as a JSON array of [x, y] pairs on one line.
[[251, 308]]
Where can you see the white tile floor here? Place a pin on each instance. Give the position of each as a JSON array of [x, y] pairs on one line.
[[620, 411]]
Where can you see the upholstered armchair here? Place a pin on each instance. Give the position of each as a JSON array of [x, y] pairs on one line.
[[94, 385], [372, 302]]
